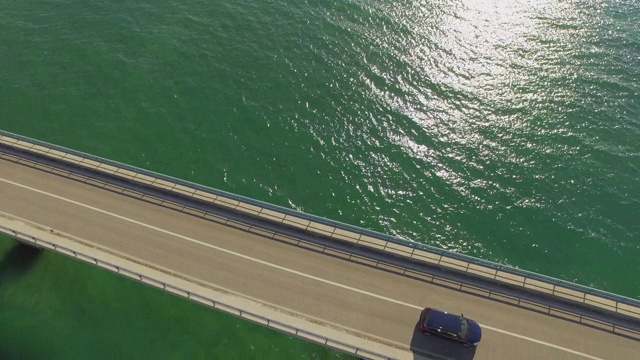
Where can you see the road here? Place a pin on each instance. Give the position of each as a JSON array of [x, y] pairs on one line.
[[332, 290]]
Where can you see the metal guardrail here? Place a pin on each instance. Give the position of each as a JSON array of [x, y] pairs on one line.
[[202, 299], [335, 229]]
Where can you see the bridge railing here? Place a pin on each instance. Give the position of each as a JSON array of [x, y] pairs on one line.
[[202, 299], [334, 229]]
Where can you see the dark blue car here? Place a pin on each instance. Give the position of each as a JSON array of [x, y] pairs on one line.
[[451, 326]]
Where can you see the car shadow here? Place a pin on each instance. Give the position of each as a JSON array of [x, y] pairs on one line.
[[18, 261], [436, 348]]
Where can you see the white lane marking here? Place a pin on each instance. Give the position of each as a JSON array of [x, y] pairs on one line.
[[281, 267], [541, 342]]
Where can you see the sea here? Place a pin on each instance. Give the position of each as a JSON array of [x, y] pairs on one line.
[[507, 130]]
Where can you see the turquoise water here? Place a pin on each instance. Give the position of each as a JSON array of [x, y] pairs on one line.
[[504, 130], [54, 307]]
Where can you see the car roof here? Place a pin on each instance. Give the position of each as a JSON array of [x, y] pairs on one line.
[[441, 319]]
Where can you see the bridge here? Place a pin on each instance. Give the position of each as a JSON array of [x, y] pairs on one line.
[[344, 287]]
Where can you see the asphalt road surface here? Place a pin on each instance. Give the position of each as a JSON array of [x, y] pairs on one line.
[[365, 299]]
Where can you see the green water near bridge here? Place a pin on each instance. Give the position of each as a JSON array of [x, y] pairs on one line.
[[506, 131], [54, 307]]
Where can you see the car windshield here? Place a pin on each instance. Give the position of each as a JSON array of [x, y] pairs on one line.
[[464, 327]]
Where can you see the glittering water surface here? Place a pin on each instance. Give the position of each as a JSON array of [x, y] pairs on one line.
[[505, 130]]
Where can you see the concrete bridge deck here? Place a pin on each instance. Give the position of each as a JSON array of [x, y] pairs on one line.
[[361, 303]]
